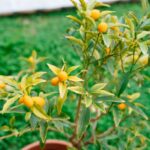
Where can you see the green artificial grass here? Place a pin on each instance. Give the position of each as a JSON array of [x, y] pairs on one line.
[[43, 32]]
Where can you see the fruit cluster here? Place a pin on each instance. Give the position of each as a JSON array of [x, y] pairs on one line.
[[30, 101], [61, 77]]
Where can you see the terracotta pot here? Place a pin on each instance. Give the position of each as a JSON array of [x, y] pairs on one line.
[[50, 145]]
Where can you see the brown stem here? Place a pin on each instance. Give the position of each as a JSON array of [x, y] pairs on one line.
[[111, 129], [90, 141], [108, 132], [95, 44], [102, 114], [78, 112]]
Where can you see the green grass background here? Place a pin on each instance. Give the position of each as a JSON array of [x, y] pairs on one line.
[[44, 32]]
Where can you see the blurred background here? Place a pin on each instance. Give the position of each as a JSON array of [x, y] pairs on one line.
[[40, 25], [13, 6]]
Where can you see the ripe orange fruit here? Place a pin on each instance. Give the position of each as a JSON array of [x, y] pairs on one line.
[[55, 81], [27, 100], [38, 100], [102, 27], [95, 14], [107, 50], [62, 76], [122, 106], [2, 85]]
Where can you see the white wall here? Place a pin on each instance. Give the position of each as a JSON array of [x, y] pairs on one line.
[[12, 6]]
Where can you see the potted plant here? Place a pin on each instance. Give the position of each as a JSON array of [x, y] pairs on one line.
[[106, 114]]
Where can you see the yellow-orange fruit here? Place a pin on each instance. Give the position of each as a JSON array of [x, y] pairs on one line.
[[39, 101], [103, 27], [55, 81], [27, 100], [95, 14], [122, 106], [107, 50], [21, 100], [31, 59], [2, 85], [62, 76]]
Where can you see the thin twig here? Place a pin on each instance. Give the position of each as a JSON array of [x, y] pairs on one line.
[[29, 130], [111, 129], [102, 114]]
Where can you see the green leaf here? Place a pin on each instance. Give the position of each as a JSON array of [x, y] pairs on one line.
[[110, 137], [143, 34], [9, 80], [143, 47], [131, 26], [40, 113], [102, 106], [60, 103], [110, 99], [83, 121], [59, 126], [102, 92], [133, 97], [75, 19], [77, 41], [99, 4], [96, 55], [88, 101], [132, 14], [76, 89], [118, 25], [83, 4], [23, 82], [54, 69], [107, 40], [43, 131], [123, 84], [38, 75], [137, 110], [117, 117], [62, 89], [98, 86], [12, 121], [91, 20], [9, 102], [71, 69], [145, 5], [75, 4], [104, 13], [146, 24], [28, 116], [74, 79], [33, 121]]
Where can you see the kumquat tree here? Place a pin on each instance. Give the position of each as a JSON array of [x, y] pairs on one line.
[[106, 114]]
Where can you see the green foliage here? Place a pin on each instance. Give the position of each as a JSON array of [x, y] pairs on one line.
[[103, 81]]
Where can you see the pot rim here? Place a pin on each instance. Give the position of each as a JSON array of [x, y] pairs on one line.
[[54, 141]]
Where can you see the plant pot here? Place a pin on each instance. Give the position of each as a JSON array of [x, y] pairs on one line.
[[49, 145]]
